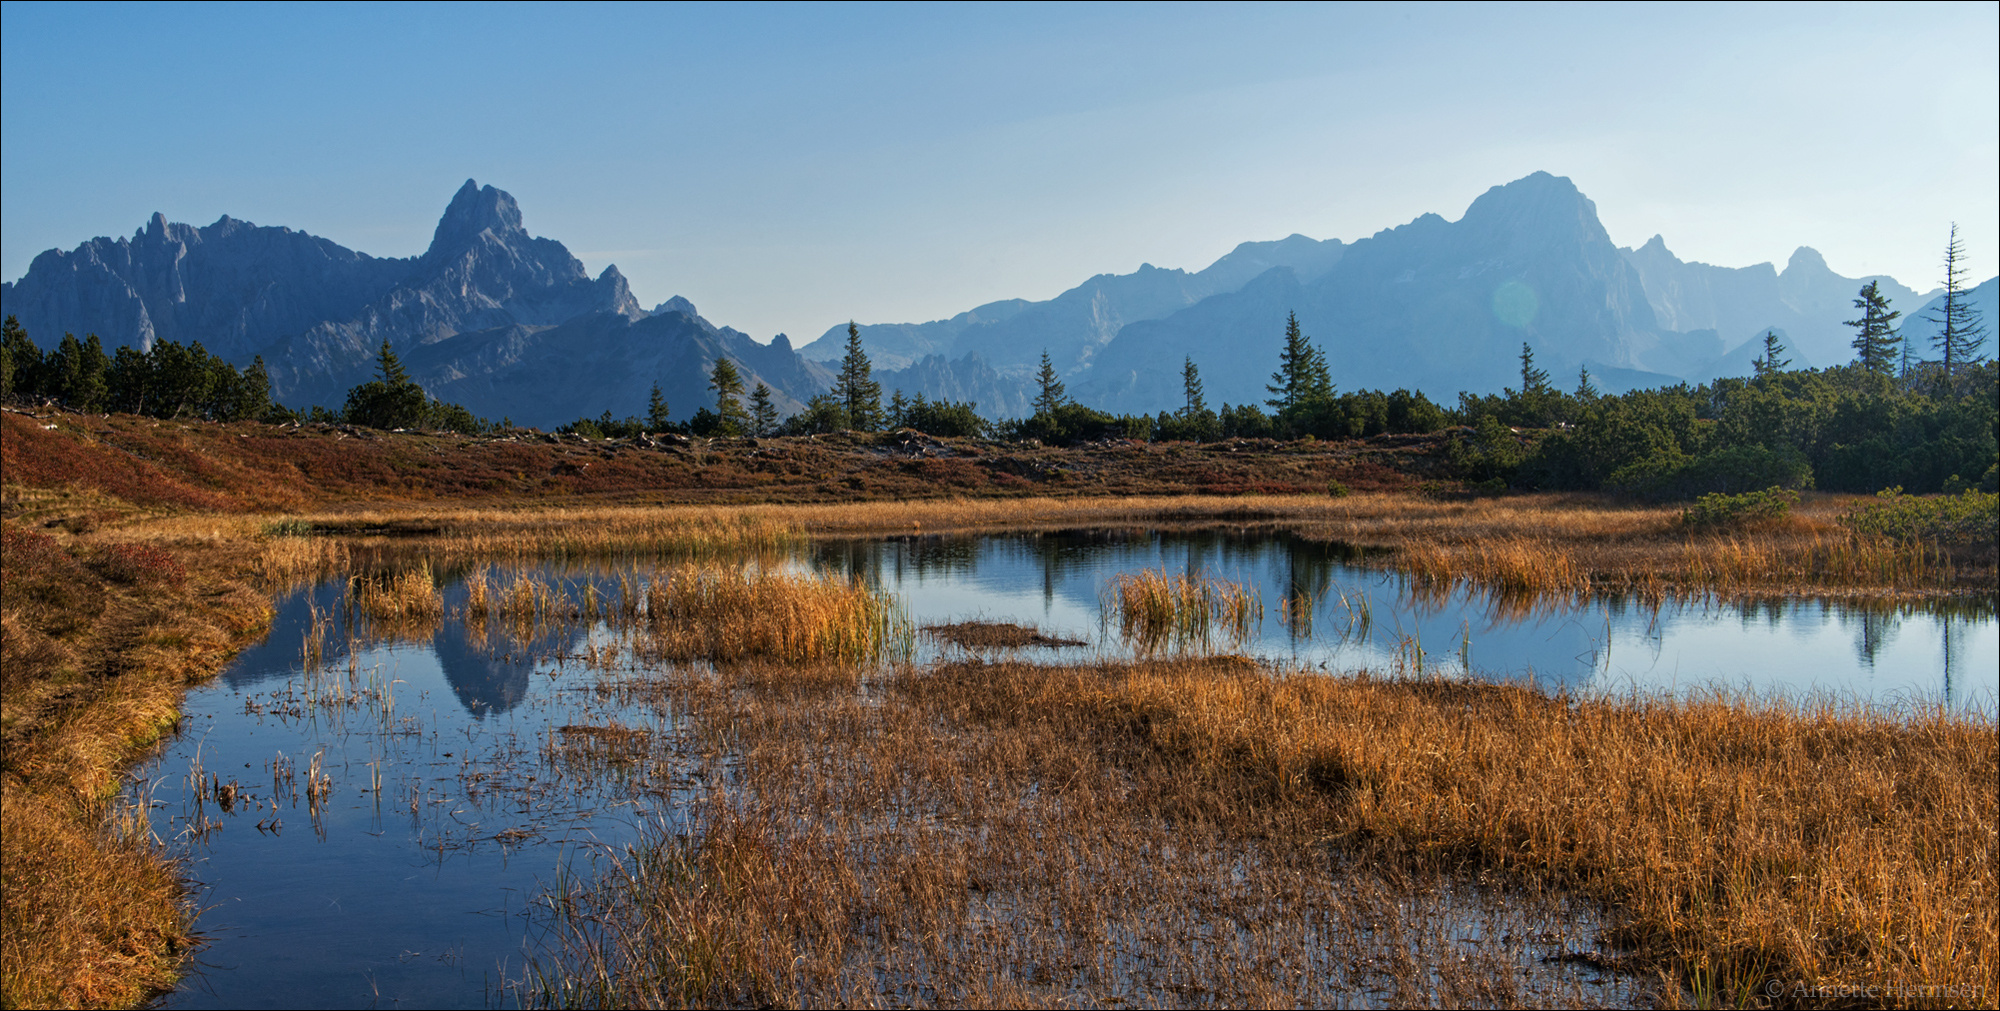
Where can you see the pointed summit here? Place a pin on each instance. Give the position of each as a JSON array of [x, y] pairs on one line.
[[1808, 260], [1535, 210], [474, 210]]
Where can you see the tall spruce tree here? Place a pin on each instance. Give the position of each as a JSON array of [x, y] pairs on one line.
[[1875, 338], [859, 394], [254, 392], [1302, 372], [1961, 333], [1191, 387], [391, 400], [656, 410], [1051, 398], [728, 386], [1769, 362], [1533, 380], [763, 412], [20, 360]]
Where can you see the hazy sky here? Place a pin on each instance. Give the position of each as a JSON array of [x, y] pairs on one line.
[[787, 167]]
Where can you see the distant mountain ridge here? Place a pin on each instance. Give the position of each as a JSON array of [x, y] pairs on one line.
[[512, 325], [506, 323], [1436, 305]]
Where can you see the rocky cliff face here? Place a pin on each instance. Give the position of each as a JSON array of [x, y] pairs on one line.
[[232, 285], [315, 310], [482, 272]]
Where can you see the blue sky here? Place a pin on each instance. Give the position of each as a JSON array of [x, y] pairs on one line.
[[789, 167]]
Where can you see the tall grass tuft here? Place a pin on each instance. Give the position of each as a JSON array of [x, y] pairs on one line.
[[728, 614], [404, 600], [1157, 611]]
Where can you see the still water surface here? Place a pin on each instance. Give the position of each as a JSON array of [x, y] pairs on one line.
[[448, 805]]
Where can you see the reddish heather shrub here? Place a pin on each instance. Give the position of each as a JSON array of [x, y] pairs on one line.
[[42, 584], [138, 565]]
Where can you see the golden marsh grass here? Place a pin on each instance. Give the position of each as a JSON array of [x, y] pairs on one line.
[[1157, 611], [1207, 831], [722, 613]]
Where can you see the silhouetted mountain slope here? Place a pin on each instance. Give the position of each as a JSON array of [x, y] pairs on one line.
[[512, 325], [1010, 336], [507, 323], [232, 285], [1807, 300], [1434, 304]]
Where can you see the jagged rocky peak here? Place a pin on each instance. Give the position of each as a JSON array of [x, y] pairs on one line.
[[475, 209], [676, 304]]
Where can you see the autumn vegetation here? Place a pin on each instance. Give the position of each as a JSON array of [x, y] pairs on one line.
[[141, 552]]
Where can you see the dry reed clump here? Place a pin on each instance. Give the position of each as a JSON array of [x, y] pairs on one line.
[[706, 612], [406, 599], [285, 562], [1521, 572], [1160, 611], [936, 845], [732, 614]]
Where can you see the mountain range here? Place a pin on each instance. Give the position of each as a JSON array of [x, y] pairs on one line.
[[512, 325]]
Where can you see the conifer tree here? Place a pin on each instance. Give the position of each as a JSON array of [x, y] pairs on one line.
[[1533, 380], [1191, 385], [1585, 389], [253, 393], [1875, 337], [763, 413], [1302, 372], [1961, 333], [65, 370], [656, 410], [1051, 398], [1769, 362], [859, 394], [392, 400], [20, 360], [899, 410], [728, 386]]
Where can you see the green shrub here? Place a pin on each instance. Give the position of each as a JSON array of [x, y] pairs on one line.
[[1969, 518], [1719, 510], [1731, 471]]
